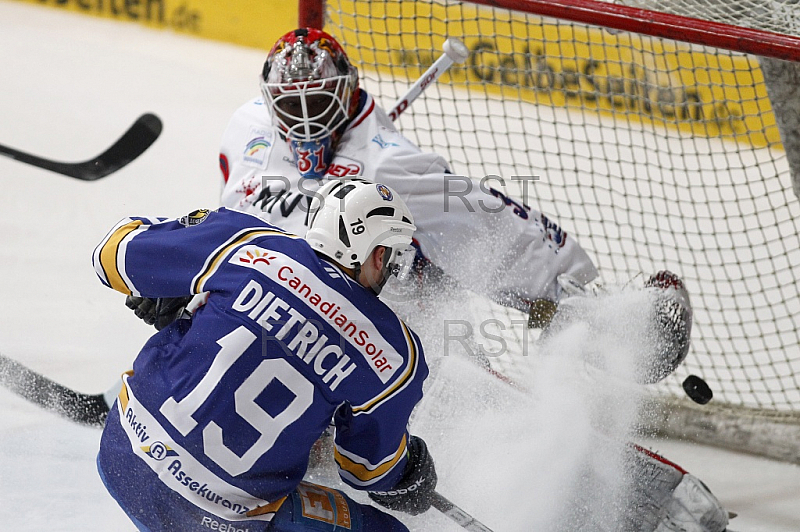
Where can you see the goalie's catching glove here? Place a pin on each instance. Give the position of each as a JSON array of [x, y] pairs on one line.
[[413, 493], [673, 315], [157, 312]]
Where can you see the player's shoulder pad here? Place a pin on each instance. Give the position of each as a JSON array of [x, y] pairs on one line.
[[253, 110], [246, 218]]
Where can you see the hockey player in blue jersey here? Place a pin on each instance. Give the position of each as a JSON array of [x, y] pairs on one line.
[[213, 426]]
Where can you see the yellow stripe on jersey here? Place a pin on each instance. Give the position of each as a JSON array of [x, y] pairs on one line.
[[123, 393], [109, 256], [401, 380], [270, 508], [362, 472], [215, 260]]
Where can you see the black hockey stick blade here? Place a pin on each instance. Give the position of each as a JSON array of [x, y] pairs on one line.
[[140, 136], [86, 409], [457, 514]]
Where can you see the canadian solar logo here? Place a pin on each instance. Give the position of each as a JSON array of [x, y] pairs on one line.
[[384, 191], [159, 451], [256, 256]]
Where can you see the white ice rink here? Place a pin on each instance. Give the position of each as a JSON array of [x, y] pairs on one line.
[[69, 86]]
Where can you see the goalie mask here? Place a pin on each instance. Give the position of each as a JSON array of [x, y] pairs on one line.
[[311, 90], [351, 217]]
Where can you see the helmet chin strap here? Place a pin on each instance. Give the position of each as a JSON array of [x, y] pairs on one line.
[[385, 271]]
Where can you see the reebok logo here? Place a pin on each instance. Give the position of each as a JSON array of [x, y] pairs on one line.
[[213, 524]]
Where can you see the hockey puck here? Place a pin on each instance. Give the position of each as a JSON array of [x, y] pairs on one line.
[[697, 389]]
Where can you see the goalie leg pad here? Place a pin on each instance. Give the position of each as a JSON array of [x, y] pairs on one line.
[[668, 499], [693, 508]]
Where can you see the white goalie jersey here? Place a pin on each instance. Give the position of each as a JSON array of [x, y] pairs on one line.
[[479, 236]]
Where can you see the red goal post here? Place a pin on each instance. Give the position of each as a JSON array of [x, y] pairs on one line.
[[666, 137], [626, 18]]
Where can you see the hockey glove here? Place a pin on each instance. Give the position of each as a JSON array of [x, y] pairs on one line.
[[541, 313], [157, 312], [673, 316], [413, 493]]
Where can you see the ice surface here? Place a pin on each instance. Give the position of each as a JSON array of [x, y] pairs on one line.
[[70, 86]]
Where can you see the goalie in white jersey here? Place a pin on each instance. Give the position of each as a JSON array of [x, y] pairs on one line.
[[313, 123], [213, 427]]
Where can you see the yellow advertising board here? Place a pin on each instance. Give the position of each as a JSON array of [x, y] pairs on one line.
[[255, 23], [540, 61], [512, 55]]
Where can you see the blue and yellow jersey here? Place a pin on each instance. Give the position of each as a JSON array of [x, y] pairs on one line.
[[225, 407]]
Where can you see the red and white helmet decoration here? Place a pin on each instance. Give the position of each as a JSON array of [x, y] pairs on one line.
[[309, 84]]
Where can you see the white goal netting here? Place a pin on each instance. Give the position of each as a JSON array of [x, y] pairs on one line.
[[654, 154]]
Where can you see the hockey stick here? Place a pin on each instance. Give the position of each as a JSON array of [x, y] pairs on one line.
[[454, 52], [457, 514], [86, 409], [130, 145]]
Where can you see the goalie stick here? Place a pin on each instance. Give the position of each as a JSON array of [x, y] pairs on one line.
[[140, 136], [454, 52]]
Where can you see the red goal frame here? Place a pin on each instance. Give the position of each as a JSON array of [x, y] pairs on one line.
[[311, 14]]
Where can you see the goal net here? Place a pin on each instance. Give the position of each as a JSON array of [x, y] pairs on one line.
[[656, 142]]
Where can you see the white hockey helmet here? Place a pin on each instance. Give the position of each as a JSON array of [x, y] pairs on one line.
[[352, 216]]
